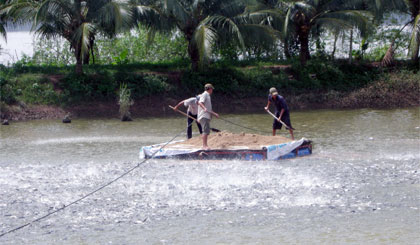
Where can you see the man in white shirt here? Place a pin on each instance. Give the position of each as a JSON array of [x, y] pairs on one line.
[[192, 104], [205, 113]]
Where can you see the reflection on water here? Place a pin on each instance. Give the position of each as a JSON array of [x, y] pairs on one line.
[[361, 185]]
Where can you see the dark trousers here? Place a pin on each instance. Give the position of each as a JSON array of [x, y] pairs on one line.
[[189, 129]]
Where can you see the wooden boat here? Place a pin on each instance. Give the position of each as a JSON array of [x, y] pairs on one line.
[[231, 146]]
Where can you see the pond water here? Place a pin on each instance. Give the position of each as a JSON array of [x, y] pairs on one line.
[[361, 185]]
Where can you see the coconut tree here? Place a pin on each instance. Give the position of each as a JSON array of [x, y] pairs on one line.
[[308, 16], [2, 29], [276, 11], [2, 20], [414, 11], [411, 8], [77, 21], [202, 22]]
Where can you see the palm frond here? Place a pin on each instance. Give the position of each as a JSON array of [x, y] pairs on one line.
[[231, 8], [260, 35], [356, 18], [112, 17], [47, 30], [48, 8], [304, 7], [152, 18], [227, 24], [287, 22], [82, 37], [259, 17], [3, 31], [204, 39], [334, 23], [20, 11], [174, 8]]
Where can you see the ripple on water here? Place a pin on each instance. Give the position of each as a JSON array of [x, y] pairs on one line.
[[359, 186]]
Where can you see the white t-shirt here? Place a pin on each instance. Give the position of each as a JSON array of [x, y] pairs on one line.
[[192, 104], [206, 100]]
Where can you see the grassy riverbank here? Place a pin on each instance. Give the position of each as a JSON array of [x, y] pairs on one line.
[[31, 92]]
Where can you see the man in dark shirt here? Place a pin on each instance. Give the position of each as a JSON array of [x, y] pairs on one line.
[[282, 112]]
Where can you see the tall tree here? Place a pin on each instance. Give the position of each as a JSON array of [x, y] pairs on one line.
[[2, 29], [413, 7], [307, 15], [202, 22], [276, 10], [410, 8], [77, 21], [2, 20]]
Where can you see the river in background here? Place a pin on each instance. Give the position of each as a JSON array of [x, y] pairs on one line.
[[361, 185]]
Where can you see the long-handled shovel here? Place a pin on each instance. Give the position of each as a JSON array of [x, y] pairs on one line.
[[287, 127], [185, 114]]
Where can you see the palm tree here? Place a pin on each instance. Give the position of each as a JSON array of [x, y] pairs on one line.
[[414, 7], [2, 29], [276, 10], [202, 23], [308, 16], [2, 20], [411, 8], [77, 21]]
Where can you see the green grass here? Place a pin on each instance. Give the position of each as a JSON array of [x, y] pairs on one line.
[[240, 79]]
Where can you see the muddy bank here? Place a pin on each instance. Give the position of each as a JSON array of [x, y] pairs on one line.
[[396, 91], [158, 106], [31, 112], [147, 107]]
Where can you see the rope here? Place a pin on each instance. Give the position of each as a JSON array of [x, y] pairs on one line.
[[253, 129], [94, 191]]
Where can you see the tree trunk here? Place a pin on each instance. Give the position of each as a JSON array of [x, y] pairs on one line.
[[414, 13], [304, 44], [334, 46], [194, 56], [415, 56], [286, 48], [86, 57], [92, 53], [79, 65], [351, 47]]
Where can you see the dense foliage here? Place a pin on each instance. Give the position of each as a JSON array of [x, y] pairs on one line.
[[87, 49], [101, 83]]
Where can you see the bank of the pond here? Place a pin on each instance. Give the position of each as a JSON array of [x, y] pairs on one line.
[[400, 93], [35, 94]]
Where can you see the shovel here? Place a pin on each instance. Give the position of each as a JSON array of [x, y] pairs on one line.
[[287, 127], [185, 114]]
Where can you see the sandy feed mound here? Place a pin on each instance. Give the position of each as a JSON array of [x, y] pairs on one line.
[[227, 140]]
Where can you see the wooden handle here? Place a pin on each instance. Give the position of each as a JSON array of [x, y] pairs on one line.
[[183, 113], [269, 112]]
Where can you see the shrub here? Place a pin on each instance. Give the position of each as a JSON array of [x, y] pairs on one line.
[[257, 81], [155, 84], [28, 88], [142, 85], [100, 86], [125, 101], [225, 81]]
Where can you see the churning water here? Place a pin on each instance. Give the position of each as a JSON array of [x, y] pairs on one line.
[[360, 186]]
